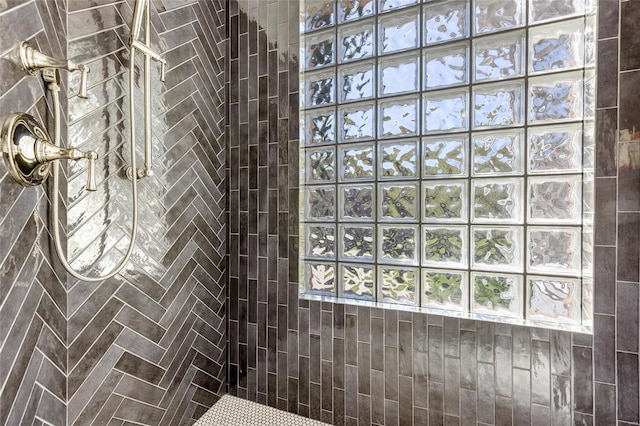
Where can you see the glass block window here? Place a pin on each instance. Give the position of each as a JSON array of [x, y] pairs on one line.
[[447, 154]]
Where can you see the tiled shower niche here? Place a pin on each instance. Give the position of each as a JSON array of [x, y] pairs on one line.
[[448, 155]]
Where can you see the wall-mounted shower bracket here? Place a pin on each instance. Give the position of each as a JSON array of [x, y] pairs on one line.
[[28, 152], [32, 61]]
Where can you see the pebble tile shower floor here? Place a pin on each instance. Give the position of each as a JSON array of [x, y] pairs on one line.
[[233, 411]]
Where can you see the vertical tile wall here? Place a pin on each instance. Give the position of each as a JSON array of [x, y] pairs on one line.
[[147, 346], [356, 365]]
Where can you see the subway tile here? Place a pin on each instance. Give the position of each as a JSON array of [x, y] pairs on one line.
[[468, 372], [608, 73], [468, 406], [629, 175], [391, 412], [606, 139], [452, 386], [628, 255], [605, 271], [377, 397], [627, 317], [503, 365], [486, 393], [605, 409], [629, 35], [561, 400], [628, 387], [540, 372], [583, 379], [605, 213], [405, 403], [522, 397], [504, 411]]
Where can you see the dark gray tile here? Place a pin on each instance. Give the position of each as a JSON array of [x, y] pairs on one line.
[[628, 388], [607, 73], [627, 317], [629, 175], [608, 18], [606, 139], [629, 35], [583, 379], [605, 410], [628, 247]]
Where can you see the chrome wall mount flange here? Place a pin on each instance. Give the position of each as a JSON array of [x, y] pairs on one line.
[[28, 152], [20, 134]]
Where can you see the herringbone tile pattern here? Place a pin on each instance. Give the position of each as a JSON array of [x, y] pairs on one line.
[[147, 346], [33, 301]]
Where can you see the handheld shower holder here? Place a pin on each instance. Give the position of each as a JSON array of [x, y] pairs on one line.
[[32, 61]]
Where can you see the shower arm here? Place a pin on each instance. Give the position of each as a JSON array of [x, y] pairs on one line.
[[141, 12]]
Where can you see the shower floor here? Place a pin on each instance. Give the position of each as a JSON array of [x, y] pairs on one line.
[[234, 411]]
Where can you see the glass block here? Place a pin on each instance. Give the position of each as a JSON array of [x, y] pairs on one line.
[[357, 82], [499, 295], [356, 162], [398, 244], [555, 200], [445, 201], [497, 15], [357, 41], [555, 251], [497, 201], [399, 117], [399, 74], [446, 21], [320, 203], [555, 149], [357, 202], [398, 285], [319, 89], [321, 240], [498, 105], [558, 46], [357, 242], [497, 248], [445, 157], [446, 66], [321, 165], [398, 201], [398, 159], [349, 10], [589, 94], [546, 10], [555, 300], [319, 50], [399, 32], [498, 153], [499, 56], [316, 14], [320, 278], [357, 282], [320, 126], [445, 290], [556, 98], [590, 41], [446, 111], [389, 5], [444, 246], [357, 122]]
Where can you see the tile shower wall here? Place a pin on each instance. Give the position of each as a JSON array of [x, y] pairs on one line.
[[33, 301], [147, 346], [357, 365]]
